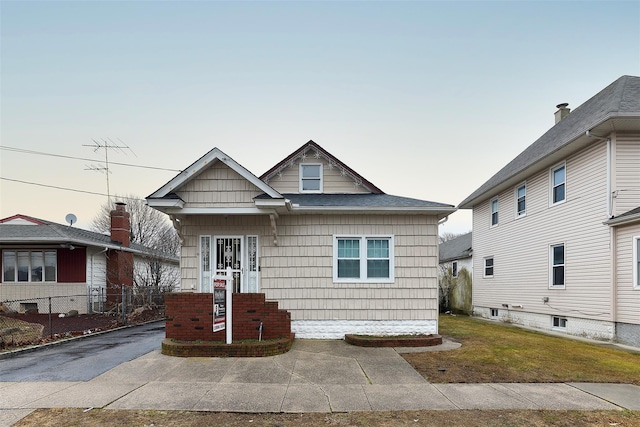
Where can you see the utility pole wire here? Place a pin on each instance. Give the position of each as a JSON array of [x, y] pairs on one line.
[[64, 188], [23, 151]]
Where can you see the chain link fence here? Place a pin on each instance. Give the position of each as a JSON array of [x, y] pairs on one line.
[[33, 320]]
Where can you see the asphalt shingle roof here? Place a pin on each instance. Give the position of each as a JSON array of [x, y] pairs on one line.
[[621, 98], [458, 248], [359, 200]]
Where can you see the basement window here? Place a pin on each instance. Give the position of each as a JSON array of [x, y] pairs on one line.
[[494, 313], [559, 322]]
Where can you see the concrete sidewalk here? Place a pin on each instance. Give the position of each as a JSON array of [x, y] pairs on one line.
[[315, 376]]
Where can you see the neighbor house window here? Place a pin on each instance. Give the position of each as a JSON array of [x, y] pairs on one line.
[[454, 268], [488, 267], [557, 266], [521, 200], [29, 266], [363, 259], [310, 178], [494, 212], [558, 184], [636, 262], [559, 322]]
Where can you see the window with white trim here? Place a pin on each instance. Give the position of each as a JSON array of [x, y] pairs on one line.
[[559, 322], [488, 267], [636, 262], [29, 266], [311, 177], [558, 184], [521, 200], [454, 268], [556, 270], [494, 212], [363, 259]]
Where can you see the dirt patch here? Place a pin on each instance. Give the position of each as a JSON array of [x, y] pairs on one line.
[[106, 417]]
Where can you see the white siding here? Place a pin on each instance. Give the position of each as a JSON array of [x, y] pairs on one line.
[[298, 272], [627, 174], [520, 247], [628, 298]]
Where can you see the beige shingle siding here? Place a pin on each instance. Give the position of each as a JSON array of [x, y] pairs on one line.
[[627, 173], [298, 273], [219, 186], [628, 298], [520, 247], [333, 181]]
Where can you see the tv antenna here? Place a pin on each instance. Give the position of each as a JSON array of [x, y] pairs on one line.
[[106, 145]]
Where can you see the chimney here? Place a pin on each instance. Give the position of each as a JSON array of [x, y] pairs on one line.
[[120, 225], [562, 112]]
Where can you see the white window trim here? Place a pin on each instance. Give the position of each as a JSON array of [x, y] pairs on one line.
[[491, 224], [363, 259], [454, 271], [551, 186], [321, 177], [29, 251], [523, 214], [484, 267], [560, 319], [564, 265], [636, 258]]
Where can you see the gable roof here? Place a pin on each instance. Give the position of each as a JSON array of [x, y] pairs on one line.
[[31, 230], [197, 167], [319, 152], [618, 102], [458, 248]]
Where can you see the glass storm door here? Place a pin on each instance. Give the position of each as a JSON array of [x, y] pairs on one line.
[[228, 253]]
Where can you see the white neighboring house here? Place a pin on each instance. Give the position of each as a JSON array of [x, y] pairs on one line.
[[312, 234], [556, 231], [42, 259], [457, 254]]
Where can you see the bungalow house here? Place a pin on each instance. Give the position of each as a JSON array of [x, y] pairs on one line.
[[455, 273], [42, 259], [312, 235], [556, 231]]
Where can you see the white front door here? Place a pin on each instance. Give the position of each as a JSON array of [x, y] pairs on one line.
[[240, 253]]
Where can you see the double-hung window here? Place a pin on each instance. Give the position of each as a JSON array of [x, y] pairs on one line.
[[494, 212], [558, 184], [636, 262], [521, 200], [454, 268], [363, 259], [311, 178], [556, 270], [488, 267], [29, 265]]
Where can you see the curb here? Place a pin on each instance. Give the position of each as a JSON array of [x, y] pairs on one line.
[[19, 351]]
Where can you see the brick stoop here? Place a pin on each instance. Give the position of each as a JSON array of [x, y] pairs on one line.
[[190, 319], [393, 341]]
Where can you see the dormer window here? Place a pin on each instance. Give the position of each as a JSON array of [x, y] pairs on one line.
[[311, 178]]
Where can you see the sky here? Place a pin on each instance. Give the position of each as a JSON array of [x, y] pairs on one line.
[[425, 99]]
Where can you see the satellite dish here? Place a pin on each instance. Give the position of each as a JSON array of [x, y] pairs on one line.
[[71, 218]]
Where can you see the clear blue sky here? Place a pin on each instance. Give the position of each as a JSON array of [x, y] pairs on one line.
[[424, 99]]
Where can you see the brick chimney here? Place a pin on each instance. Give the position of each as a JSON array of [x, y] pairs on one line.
[[120, 225], [562, 112], [119, 263]]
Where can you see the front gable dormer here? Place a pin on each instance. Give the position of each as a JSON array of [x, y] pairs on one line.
[[311, 169]]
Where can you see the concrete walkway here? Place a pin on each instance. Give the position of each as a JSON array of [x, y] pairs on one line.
[[315, 376]]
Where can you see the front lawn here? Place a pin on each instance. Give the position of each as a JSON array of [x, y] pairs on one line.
[[498, 352]]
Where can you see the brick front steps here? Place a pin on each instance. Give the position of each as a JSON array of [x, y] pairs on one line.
[[173, 347], [393, 341], [189, 327]]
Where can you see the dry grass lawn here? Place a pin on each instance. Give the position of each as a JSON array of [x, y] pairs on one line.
[[498, 352]]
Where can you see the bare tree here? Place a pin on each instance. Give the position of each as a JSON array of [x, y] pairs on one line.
[[152, 229]]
